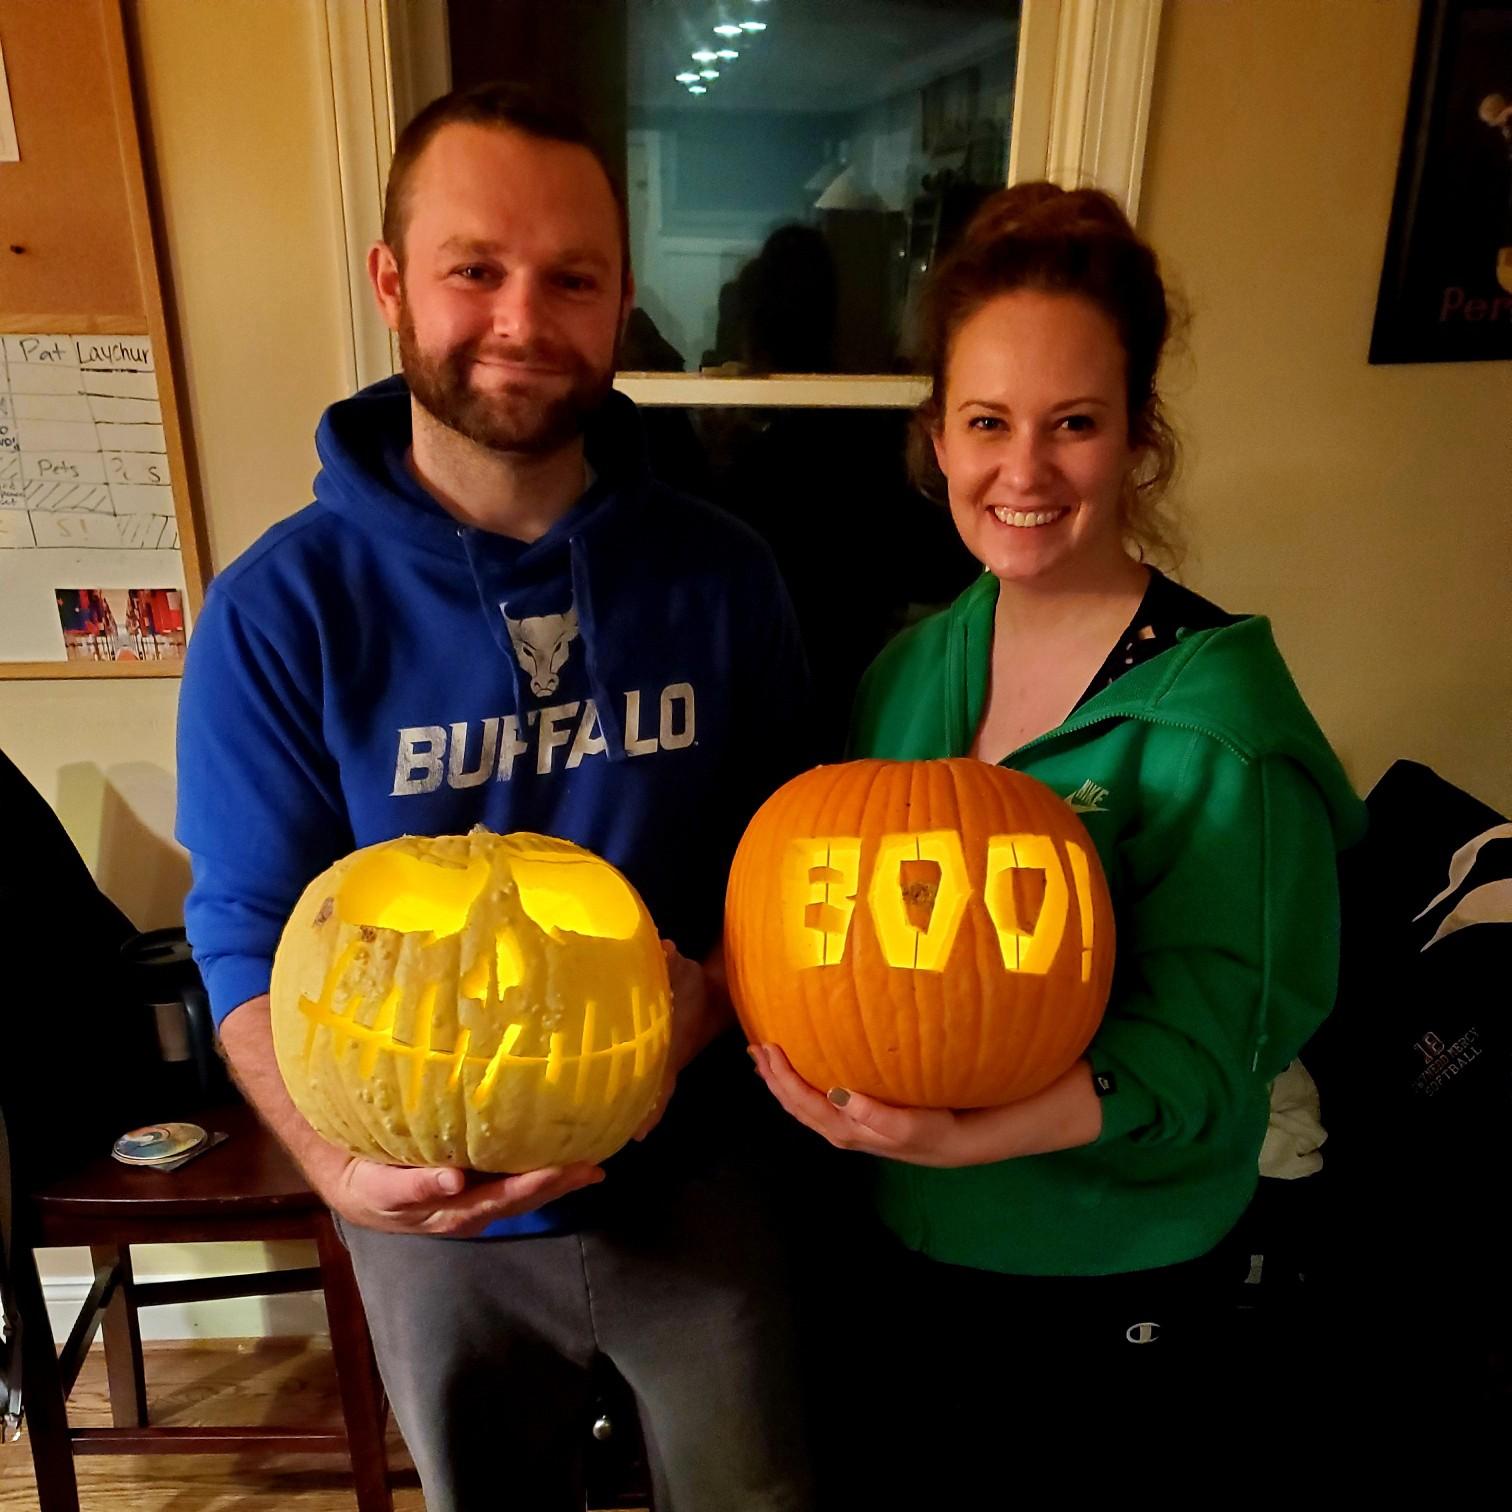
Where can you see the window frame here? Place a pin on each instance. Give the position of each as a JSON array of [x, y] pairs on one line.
[[1083, 83]]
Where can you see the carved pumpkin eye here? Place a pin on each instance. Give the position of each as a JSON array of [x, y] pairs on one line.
[[574, 894], [388, 889]]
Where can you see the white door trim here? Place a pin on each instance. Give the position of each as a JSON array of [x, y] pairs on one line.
[[361, 112], [1086, 69]]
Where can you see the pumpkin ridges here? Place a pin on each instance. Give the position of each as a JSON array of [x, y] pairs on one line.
[[814, 1044], [925, 986], [473, 948], [321, 1054], [350, 1128], [960, 1018], [1048, 1031], [1055, 1036], [363, 1109], [766, 854], [982, 803], [1007, 817], [446, 1127], [989, 952], [967, 1034], [408, 953], [327, 1051], [865, 1068], [862, 1066], [448, 1132], [381, 1081], [943, 989], [290, 1041], [894, 991], [1028, 813]]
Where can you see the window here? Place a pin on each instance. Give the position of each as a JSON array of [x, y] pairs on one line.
[[785, 202], [789, 186]]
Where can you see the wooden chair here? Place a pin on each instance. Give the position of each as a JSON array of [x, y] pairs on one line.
[[244, 1189]]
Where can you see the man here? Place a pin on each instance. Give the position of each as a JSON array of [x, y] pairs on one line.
[[491, 614]]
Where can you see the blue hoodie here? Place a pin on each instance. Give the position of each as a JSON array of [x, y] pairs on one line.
[[632, 681]]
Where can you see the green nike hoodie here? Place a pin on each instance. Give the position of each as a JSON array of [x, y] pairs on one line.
[[1218, 809]]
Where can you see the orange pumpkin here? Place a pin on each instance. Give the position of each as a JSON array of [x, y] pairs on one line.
[[932, 933]]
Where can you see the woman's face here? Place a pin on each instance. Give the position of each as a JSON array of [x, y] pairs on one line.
[[1033, 437]]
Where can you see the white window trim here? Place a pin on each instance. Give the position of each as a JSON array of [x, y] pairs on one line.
[[1082, 100], [1086, 69], [361, 113]]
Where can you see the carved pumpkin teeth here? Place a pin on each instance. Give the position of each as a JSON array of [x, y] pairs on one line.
[[348, 1033]]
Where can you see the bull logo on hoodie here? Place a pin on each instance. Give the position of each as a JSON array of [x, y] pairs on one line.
[[540, 646]]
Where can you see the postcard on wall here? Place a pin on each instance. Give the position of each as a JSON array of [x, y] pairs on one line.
[[122, 624], [90, 567]]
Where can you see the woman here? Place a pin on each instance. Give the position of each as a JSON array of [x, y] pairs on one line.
[[1051, 1240]]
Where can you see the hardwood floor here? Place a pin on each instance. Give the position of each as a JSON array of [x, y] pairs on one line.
[[207, 1381], [214, 1381]]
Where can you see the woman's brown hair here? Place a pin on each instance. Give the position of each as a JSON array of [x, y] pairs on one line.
[[1059, 241]]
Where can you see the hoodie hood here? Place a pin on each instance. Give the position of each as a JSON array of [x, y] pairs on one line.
[[1230, 683], [536, 597], [362, 442]]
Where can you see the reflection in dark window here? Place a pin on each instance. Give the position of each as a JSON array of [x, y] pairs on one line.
[[862, 553], [785, 204], [793, 166]]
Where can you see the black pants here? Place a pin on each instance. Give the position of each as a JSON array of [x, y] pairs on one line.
[[942, 1386]]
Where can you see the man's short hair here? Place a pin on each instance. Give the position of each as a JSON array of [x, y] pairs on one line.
[[507, 107]]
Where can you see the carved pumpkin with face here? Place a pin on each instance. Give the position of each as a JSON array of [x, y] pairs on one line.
[[932, 933], [492, 1001]]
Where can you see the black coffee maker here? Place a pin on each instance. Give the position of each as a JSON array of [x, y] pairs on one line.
[[159, 973]]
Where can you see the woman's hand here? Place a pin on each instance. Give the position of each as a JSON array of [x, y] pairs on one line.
[[1064, 1116], [853, 1121]]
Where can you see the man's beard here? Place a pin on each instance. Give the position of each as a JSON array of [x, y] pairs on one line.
[[510, 420]]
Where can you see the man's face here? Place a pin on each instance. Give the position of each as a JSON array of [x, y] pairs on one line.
[[510, 303]]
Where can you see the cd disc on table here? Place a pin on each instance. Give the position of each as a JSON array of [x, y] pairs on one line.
[[155, 1143]]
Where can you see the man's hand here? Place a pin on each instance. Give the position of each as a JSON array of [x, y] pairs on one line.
[[441, 1200], [397, 1199], [698, 1014]]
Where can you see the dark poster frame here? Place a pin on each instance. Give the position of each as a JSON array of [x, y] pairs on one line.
[[1450, 238]]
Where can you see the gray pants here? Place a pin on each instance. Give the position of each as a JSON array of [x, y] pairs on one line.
[[485, 1347]]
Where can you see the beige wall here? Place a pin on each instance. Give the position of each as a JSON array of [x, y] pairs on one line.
[[237, 118], [237, 112], [1367, 509]]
